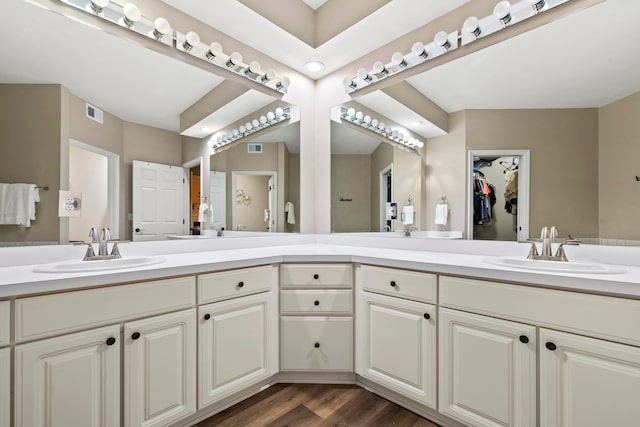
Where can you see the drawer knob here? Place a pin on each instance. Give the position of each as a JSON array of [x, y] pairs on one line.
[[317, 345], [316, 276], [241, 284], [524, 339], [550, 346], [135, 335], [207, 316], [393, 283], [110, 341], [427, 316], [316, 302]]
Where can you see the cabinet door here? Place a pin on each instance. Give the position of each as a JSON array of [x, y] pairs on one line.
[[73, 380], [5, 386], [487, 370], [397, 345], [160, 369], [237, 345], [585, 382]]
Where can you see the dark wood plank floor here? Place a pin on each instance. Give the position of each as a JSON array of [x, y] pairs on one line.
[[305, 405]]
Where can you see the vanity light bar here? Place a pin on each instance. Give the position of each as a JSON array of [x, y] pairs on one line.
[[128, 15], [374, 125], [253, 126], [504, 14]]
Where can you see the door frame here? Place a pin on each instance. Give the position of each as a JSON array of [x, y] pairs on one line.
[[234, 211], [523, 189], [383, 195], [113, 184]]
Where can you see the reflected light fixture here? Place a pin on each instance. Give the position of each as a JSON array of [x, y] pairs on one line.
[[248, 128], [502, 11], [234, 59], [96, 6], [161, 28], [379, 68], [366, 121], [398, 60], [418, 50], [537, 5], [472, 26], [314, 66], [191, 39], [131, 15], [215, 49], [364, 75], [442, 39]]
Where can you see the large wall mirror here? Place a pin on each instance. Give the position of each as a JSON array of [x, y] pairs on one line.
[[567, 92], [77, 114]]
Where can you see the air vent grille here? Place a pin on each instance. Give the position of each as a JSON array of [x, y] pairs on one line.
[[94, 113]]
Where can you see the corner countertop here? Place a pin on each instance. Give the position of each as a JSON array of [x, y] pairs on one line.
[[461, 258]]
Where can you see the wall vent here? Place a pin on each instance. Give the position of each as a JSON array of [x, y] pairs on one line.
[[94, 113], [254, 148]]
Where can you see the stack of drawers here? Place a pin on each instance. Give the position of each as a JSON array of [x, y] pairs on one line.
[[316, 306]]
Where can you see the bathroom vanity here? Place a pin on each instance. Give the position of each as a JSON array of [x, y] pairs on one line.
[[428, 325]]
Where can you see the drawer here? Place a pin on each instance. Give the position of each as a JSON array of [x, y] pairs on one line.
[[399, 283], [609, 318], [5, 323], [236, 283], [317, 344], [316, 275], [46, 315], [316, 301]]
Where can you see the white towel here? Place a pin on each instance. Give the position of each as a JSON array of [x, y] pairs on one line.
[[407, 215], [18, 203], [442, 213], [202, 210], [290, 211]]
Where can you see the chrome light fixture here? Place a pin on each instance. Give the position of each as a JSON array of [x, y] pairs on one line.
[[350, 83], [442, 39], [215, 49], [268, 76], [234, 59], [161, 28], [283, 84], [374, 125], [537, 5], [131, 15], [398, 60], [364, 75], [502, 11], [191, 39], [252, 70], [379, 68], [264, 121], [96, 6], [472, 26], [418, 50]]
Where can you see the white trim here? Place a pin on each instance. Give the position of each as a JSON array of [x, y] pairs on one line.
[[383, 193], [523, 188], [234, 213], [113, 184]]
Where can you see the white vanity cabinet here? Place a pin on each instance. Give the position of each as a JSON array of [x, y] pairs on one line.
[[5, 362], [586, 382], [316, 307], [396, 335], [238, 334], [160, 369], [487, 370]]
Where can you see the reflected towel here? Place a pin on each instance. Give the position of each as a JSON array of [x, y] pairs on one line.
[[289, 209], [201, 212], [407, 215], [18, 203], [442, 213]]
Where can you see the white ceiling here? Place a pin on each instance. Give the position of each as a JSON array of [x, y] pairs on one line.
[[289, 134], [346, 140]]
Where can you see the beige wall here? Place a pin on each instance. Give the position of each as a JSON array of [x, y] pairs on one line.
[[350, 179], [293, 195], [30, 142], [406, 179], [619, 152], [251, 215]]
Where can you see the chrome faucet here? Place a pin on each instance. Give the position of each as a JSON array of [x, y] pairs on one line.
[[408, 229], [102, 239], [105, 236], [548, 237]]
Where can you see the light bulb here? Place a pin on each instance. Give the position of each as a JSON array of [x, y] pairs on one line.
[[367, 120], [210, 143], [284, 83], [96, 6], [314, 66], [351, 112], [442, 39], [268, 76], [263, 120], [191, 39], [364, 75], [235, 132], [398, 60], [249, 126], [359, 116], [270, 116], [234, 59], [374, 123], [420, 144], [502, 12], [349, 83], [379, 68], [279, 112], [161, 28], [472, 26], [242, 128], [255, 123], [418, 50], [215, 49], [252, 69], [131, 15], [537, 4], [382, 126]]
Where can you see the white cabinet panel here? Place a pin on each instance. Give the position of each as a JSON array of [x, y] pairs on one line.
[[487, 370], [318, 301], [236, 283], [160, 369], [316, 275], [5, 316], [237, 345], [5, 386], [73, 380], [397, 345], [317, 344], [412, 285], [586, 382]]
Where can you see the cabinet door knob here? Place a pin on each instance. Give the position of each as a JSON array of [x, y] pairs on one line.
[[427, 316], [135, 335], [316, 276], [393, 283], [524, 339], [317, 345], [316, 302], [241, 284], [207, 316], [550, 346], [111, 341]]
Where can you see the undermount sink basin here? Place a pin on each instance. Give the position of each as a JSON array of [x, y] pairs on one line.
[[98, 265], [555, 266]]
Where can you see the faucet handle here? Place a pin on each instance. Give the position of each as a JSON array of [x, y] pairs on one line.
[[544, 234], [533, 252], [553, 233], [90, 253], [105, 234], [93, 233]]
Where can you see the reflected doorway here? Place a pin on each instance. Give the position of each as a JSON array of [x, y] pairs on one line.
[[386, 196], [256, 195]]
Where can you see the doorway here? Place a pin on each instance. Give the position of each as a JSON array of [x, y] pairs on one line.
[[498, 195], [386, 196], [256, 195]]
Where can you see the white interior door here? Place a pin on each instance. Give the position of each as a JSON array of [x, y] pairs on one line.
[[218, 192], [157, 201]]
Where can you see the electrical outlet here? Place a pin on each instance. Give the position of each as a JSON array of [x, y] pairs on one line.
[[69, 203]]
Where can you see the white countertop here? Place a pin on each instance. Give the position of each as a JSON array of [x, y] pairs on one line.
[[464, 258]]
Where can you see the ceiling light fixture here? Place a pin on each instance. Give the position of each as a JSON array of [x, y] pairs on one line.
[[472, 26], [161, 28], [131, 15], [314, 66], [215, 49], [191, 39], [379, 68], [442, 39], [264, 121], [234, 60], [374, 125], [252, 70], [398, 60], [502, 11], [418, 50]]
